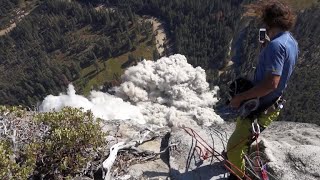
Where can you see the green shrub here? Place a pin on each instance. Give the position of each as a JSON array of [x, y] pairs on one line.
[[47, 145], [10, 168], [72, 142]]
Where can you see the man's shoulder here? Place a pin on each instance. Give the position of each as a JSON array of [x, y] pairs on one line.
[[283, 40], [275, 45]]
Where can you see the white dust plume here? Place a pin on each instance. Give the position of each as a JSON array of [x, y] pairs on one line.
[[102, 105], [166, 92], [170, 91]]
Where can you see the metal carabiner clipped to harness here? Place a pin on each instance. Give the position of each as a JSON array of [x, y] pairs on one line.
[[255, 127]]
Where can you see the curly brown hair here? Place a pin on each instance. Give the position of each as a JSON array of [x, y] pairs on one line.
[[273, 13]]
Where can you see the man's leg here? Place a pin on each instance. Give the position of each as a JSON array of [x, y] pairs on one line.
[[238, 145], [242, 134], [265, 120]]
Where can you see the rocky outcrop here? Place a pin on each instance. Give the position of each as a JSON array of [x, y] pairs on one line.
[[186, 160], [293, 151], [178, 153], [146, 156]]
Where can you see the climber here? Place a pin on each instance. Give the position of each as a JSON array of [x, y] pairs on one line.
[[276, 63]]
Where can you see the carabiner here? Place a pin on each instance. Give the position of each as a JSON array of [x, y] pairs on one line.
[[255, 127]]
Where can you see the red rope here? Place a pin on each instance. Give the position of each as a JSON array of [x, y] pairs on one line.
[[227, 162], [213, 152], [257, 145], [262, 170]]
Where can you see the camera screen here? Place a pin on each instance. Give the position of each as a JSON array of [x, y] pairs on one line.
[[262, 35]]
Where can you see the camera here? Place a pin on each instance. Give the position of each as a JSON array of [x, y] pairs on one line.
[[262, 35]]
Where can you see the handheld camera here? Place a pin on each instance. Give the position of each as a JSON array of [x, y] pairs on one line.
[[262, 35]]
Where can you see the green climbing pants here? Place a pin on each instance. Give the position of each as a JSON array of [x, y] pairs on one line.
[[236, 151]]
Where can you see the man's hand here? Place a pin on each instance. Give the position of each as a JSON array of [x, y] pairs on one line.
[[236, 101], [266, 41], [269, 84]]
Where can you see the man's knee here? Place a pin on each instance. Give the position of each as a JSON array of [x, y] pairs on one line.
[[236, 159]]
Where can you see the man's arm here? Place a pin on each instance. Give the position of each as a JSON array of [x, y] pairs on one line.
[[269, 84], [275, 55]]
